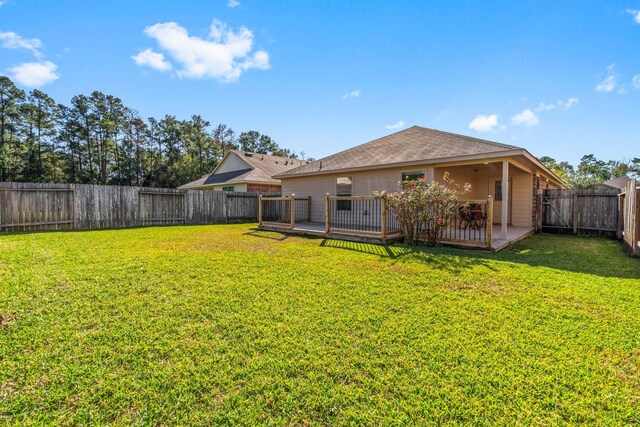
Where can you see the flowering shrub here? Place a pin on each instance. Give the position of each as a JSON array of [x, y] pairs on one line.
[[423, 209]]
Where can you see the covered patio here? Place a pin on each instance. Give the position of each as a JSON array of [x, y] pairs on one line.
[[369, 219]]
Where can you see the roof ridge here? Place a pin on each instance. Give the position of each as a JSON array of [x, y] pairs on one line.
[[242, 152], [485, 141]]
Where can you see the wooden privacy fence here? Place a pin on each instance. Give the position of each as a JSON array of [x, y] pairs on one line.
[[630, 214], [579, 211], [28, 206]]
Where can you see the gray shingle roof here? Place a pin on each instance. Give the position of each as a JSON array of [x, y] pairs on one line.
[[410, 145], [619, 182], [260, 169]]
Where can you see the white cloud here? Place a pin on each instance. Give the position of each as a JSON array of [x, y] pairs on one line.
[[224, 55], [545, 107], [610, 82], [233, 3], [635, 81], [395, 125], [607, 85], [636, 15], [526, 118], [442, 114], [565, 105], [152, 59], [352, 94], [484, 123], [35, 74], [11, 40]]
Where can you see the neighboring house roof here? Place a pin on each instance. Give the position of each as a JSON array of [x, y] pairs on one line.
[[256, 169], [619, 182], [412, 145]]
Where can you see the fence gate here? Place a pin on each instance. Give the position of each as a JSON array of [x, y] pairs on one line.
[[241, 207], [630, 207], [23, 209], [593, 211], [161, 208]]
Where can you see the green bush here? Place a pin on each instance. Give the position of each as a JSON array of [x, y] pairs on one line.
[[424, 209]]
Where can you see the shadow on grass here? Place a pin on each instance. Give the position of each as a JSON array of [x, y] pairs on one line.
[[586, 255], [579, 254], [440, 258], [271, 235]]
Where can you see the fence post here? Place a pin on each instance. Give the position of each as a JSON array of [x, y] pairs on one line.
[[327, 212], [73, 207], [575, 213], [309, 210], [636, 216], [293, 210], [260, 210], [383, 207], [489, 221]]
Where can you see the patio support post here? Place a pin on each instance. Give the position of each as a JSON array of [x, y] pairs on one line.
[[505, 200], [293, 210], [489, 221], [327, 212], [259, 210]]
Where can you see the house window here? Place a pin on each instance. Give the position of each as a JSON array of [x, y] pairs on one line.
[[343, 188], [228, 188], [412, 176], [498, 191]]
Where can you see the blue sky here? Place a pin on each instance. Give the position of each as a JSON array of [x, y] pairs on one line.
[[558, 78]]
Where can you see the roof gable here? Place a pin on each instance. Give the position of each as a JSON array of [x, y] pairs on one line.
[[238, 166], [231, 162]]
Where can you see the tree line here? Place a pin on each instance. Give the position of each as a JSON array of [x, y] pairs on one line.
[[592, 171], [96, 139]]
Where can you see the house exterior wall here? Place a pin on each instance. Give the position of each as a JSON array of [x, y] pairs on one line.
[[264, 188], [366, 182], [236, 187], [522, 203]]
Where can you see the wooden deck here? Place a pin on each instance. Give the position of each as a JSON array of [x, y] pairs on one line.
[[317, 229]]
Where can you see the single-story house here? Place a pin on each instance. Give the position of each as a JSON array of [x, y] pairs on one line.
[[245, 172], [505, 172]]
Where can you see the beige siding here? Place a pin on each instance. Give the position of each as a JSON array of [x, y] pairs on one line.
[[521, 199], [481, 177], [236, 187], [479, 180], [231, 163], [364, 183]]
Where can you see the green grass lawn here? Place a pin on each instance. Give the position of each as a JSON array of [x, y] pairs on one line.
[[228, 325]]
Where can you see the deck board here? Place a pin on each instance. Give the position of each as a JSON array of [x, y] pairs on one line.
[[317, 229]]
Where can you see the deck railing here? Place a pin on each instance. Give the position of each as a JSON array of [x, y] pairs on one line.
[[366, 216], [275, 211], [471, 224], [284, 211], [371, 217], [303, 209]]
